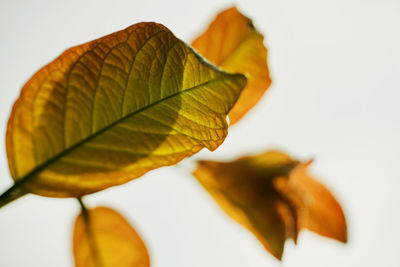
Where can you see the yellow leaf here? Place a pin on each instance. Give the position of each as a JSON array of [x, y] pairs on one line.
[[108, 111], [272, 196], [232, 42], [103, 238]]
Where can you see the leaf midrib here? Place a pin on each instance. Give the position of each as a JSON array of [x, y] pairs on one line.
[[65, 152]]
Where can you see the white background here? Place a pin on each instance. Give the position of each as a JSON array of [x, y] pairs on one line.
[[335, 97]]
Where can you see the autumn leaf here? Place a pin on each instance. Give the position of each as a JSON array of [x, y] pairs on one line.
[[232, 42], [103, 238], [320, 211], [108, 111], [273, 196]]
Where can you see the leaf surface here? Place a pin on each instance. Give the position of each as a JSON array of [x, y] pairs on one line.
[[103, 238], [110, 110], [273, 196], [232, 42], [319, 211]]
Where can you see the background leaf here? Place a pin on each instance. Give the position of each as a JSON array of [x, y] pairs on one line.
[[232, 42], [103, 238], [319, 210], [110, 110], [273, 196]]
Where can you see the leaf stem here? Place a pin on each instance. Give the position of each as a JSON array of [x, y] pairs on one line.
[[13, 193], [84, 210], [89, 231]]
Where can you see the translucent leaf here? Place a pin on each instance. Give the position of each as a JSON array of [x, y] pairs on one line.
[[319, 210], [274, 197], [232, 42], [110, 110], [103, 238]]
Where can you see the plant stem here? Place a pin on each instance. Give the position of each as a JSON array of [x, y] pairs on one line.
[[90, 235], [84, 210], [13, 193]]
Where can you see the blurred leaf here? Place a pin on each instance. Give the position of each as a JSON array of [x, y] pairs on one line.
[[103, 238], [320, 211], [274, 197], [232, 42], [110, 110]]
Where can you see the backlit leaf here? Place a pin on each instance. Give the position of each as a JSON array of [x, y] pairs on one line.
[[274, 197], [108, 111], [103, 238], [319, 211], [232, 42]]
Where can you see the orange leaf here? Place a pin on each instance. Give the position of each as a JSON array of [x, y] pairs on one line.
[[272, 196], [102, 237], [322, 213], [232, 42], [244, 190]]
